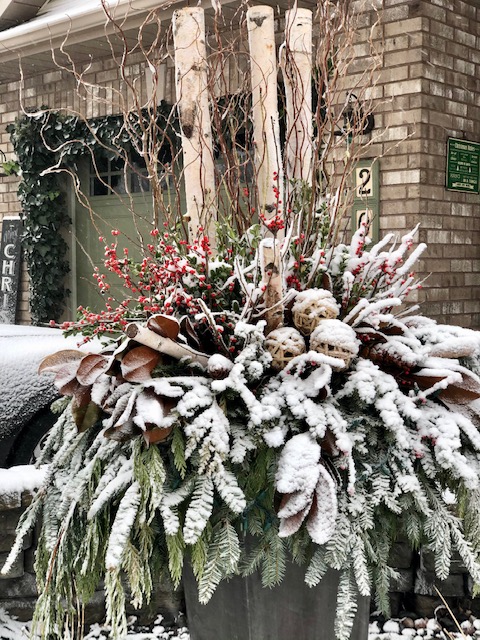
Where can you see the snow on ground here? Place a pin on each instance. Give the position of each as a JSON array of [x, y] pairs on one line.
[[11, 629]]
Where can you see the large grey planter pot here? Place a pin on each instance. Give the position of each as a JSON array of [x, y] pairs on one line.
[[241, 609]]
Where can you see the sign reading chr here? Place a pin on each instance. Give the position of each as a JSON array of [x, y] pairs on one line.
[[10, 268]]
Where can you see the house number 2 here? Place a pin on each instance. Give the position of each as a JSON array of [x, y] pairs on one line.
[[363, 182]]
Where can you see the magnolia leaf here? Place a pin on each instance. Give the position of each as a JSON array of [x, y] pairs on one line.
[[462, 392], [85, 413], [165, 326], [188, 328], [56, 361], [289, 526], [150, 409], [91, 367], [138, 364], [459, 391], [323, 514], [82, 396], [454, 348], [294, 503], [123, 345], [66, 378], [470, 411], [157, 434], [391, 329]]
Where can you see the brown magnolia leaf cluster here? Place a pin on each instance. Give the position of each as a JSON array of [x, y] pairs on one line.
[[437, 370], [119, 384]]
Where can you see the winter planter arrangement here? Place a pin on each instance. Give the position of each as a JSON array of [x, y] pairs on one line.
[[320, 441], [266, 406]]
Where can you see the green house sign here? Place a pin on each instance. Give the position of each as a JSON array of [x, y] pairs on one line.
[[463, 165]]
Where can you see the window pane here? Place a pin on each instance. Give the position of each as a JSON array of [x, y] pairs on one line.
[[97, 188], [101, 165], [117, 181]]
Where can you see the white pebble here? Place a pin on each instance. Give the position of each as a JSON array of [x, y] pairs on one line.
[[410, 633], [391, 626], [433, 625], [421, 632], [476, 623], [373, 627]]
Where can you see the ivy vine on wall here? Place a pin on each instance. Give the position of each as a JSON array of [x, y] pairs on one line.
[[44, 215]]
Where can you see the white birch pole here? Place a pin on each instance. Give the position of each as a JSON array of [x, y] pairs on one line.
[[192, 100], [144, 335], [272, 281], [266, 130], [297, 73]]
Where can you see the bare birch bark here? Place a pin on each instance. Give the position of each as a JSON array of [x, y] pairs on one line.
[[169, 347], [266, 131], [272, 280], [192, 97], [297, 73]]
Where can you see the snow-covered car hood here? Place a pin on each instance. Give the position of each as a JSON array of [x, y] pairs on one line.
[[22, 391]]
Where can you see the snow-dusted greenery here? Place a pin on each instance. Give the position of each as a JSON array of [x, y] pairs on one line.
[[158, 461]]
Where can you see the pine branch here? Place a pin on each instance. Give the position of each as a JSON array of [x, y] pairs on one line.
[[222, 560], [175, 547], [317, 568], [199, 510], [346, 606], [121, 526]]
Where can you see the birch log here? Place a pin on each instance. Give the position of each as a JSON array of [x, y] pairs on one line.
[[297, 74], [191, 83], [169, 347], [266, 131], [272, 280]]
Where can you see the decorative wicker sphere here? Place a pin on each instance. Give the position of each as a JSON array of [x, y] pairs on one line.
[[336, 339], [311, 307], [284, 344]]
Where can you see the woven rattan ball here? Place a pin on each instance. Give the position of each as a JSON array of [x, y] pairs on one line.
[[284, 344], [311, 307], [336, 339]]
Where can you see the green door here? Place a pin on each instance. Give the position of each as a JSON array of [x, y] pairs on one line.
[[128, 213]]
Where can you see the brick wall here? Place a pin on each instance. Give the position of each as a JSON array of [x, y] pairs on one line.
[[428, 90], [17, 589]]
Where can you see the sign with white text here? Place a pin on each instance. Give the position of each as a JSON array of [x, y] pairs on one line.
[[10, 254], [463, 165]]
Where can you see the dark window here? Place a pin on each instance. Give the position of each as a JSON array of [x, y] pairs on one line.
[[109, 177]]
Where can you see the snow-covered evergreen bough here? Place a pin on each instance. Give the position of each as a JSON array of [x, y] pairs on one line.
[[324, 431]]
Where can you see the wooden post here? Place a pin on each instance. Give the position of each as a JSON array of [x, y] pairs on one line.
[[192, 98], [266, 131], [297, 73], [272, 280]]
